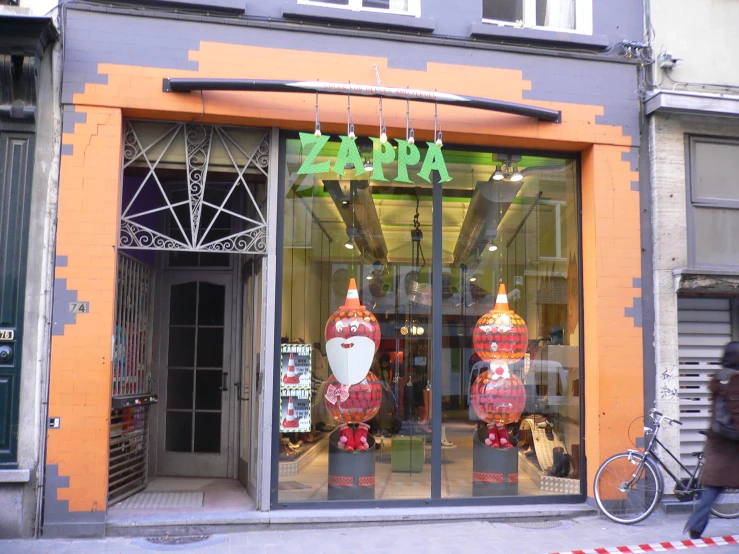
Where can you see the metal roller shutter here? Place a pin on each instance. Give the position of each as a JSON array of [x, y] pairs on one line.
[[704, 327]]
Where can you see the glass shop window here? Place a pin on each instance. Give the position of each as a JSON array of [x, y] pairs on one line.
[[356, 366]]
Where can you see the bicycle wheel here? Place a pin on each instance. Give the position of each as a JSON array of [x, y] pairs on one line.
[[727, 504], [632, 504]]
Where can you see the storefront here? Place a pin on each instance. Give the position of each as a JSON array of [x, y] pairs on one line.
[[343, 298]]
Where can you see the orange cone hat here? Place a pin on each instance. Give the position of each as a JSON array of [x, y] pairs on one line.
[[352, 295], [501, 301]]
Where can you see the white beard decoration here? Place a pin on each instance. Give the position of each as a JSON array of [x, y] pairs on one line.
[[351, 358]]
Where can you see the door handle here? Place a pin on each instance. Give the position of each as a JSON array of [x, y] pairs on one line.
[[224, 381], [238, 393]]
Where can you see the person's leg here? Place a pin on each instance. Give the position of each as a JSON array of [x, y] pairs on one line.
[[698, 521]]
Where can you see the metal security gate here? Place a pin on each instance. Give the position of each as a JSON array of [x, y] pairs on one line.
[[129, 417], [704, 327]]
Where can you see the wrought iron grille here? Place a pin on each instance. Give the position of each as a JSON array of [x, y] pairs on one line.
[[129, 440], [240, 154], [132, 342], [129, 426]]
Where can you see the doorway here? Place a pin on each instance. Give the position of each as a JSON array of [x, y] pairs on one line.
[[195, 369]]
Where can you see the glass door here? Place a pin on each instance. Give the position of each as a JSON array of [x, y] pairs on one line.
[[195, 357]]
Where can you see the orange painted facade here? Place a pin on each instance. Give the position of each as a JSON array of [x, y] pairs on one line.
[[89, 209]]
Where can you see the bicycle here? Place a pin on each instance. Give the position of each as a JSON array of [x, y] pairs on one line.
[[629, 486]]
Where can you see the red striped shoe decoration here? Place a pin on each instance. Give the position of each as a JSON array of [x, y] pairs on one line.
[[659, 546]]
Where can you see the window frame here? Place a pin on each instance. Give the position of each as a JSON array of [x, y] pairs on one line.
[[695, 201], [583, 19], [414, 7]]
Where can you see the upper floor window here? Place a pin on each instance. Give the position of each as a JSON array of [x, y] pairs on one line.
[[403, 7], [557, 15], [713, 213]]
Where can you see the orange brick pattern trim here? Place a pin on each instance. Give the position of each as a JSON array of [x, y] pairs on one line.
[[340, 481], [80, 377], [482, 477]]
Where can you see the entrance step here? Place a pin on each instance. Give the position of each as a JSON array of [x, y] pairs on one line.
[[671, 505], [194, 523]]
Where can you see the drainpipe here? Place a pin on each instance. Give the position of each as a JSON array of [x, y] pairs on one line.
[[50, 227]]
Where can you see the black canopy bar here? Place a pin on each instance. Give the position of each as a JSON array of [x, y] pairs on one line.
[[372, 91]]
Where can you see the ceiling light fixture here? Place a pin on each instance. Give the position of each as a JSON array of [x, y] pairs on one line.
[[473, 279], [349, 245], [492, 248], [507, 170]]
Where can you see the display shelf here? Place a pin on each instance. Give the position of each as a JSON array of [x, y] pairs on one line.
[[311, 452], [547, 483]]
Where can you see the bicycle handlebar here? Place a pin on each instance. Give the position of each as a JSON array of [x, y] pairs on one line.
[[658, 417]]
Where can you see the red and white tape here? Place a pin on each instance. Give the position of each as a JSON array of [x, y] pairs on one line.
[[660, 546]]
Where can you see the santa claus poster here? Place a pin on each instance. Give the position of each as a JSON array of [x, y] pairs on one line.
[[295, 369], [295, 411]]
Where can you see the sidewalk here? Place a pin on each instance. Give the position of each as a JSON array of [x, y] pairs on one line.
[[521, 537]]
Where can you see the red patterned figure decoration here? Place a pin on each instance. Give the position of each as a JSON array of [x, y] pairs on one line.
[[352, 338], [355, 403], [500, 334], [498, 396], [353, 394]]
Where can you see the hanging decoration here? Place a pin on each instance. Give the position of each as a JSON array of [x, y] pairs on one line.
[[353, 394], [498, 396]]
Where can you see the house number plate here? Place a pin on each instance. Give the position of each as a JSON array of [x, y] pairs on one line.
[[79, 307], [7, 334]]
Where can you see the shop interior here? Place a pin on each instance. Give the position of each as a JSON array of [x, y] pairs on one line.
[[507, 219]]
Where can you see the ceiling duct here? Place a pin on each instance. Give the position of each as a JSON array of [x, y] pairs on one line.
[[354, 201], [480, 226]]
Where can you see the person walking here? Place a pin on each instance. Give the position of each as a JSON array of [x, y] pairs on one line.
[[721, 469]]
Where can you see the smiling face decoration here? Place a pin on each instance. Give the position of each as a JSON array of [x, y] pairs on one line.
[[352, 338]]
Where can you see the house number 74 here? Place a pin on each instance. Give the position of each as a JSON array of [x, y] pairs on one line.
[[79, 307]]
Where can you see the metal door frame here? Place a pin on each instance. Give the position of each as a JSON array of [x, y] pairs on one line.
[[161, 343]]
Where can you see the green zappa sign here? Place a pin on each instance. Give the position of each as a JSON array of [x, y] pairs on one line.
[[408, 155]]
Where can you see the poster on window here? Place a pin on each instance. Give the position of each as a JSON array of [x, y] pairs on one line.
[[296, 365], [295, 388], [295, 410]]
